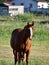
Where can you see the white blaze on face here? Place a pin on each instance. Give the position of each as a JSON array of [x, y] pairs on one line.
[[31, 33]]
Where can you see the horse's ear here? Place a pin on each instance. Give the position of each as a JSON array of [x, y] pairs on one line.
[[27, 23], [32, 22]]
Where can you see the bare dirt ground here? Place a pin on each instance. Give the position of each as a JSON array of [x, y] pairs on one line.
[[36, 51]]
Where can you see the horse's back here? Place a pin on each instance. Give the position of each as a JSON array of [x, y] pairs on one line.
[[14, 35]]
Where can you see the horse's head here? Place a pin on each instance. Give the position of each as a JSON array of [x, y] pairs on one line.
[[29, 30]]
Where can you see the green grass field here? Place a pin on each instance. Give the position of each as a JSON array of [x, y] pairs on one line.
[[39, 54]]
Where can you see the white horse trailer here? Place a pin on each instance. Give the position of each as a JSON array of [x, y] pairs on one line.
[[16, 10]]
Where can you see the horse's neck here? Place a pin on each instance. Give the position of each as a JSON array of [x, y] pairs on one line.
[[22, 36], [25, 36]]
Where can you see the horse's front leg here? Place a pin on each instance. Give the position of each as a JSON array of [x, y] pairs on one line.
[[15, 56], [27, 57]]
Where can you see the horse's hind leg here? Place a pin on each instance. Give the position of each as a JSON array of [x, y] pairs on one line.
[[15, 57], [15, 60], [23, 57], [19, 58]]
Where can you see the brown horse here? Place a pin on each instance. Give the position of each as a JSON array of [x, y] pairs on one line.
[[21, 42]]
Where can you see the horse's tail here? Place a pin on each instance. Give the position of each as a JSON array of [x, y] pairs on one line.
[[12, 40]]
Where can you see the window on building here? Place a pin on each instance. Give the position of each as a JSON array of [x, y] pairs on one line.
[[13, 9], [13, 3], [22, 3], [30, 5], [48, 5], [38, 6], [42, 5]]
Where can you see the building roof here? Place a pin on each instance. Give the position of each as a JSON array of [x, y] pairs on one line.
[[42, 0], [3, 5], [39, 0], [7, 3]]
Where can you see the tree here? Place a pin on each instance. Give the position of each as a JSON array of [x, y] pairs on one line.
[[1, 1]]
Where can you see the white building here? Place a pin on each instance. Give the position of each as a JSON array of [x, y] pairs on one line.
[[43, 6], [16, 10]]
